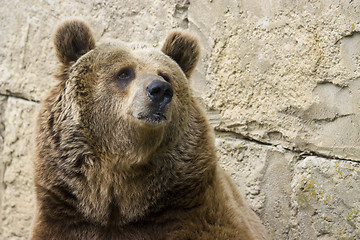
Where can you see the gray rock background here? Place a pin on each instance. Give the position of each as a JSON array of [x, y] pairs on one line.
[[280, 81]]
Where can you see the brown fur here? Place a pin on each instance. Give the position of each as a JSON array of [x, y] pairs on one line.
[[107, 169]]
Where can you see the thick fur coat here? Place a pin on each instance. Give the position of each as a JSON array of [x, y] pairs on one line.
[[125, 152]]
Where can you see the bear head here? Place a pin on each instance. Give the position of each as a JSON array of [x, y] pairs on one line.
[[125, 98]]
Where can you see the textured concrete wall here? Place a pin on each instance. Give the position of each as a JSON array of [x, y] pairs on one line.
[[280, 81]]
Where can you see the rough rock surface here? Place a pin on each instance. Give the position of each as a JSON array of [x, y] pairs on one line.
[[280, 81]]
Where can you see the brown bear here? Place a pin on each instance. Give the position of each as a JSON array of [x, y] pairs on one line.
[[124, 150]]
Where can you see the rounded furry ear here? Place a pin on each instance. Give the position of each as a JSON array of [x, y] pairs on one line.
[[183, 49], [73, 38]]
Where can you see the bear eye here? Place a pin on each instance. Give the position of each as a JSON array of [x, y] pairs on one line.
[[124, 77], [164, 76], [126, 73]]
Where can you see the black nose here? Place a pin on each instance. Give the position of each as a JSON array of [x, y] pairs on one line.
[[159, 92]]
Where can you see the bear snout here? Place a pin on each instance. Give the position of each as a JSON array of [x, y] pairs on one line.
[[160, 93]]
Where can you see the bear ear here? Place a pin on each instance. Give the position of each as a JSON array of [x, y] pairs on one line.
[[73, 38], [183, 49]]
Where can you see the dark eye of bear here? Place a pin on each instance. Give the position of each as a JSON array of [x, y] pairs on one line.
[[124, 77], [164, 76]]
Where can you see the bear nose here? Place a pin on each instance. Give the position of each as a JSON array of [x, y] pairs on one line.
[[160, 92]]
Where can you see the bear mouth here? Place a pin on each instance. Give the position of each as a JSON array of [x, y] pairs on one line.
[[152, 118]]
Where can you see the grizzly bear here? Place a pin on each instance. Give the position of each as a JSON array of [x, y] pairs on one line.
[[124, 150]]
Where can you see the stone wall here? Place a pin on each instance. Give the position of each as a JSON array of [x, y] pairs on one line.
[[280, 81]]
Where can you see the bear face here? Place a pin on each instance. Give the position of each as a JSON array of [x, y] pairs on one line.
[[130, 88]]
